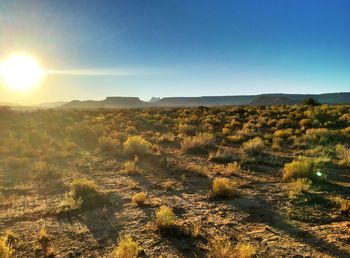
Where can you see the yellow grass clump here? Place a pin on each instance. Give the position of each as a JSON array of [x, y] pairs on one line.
[[127, 248]]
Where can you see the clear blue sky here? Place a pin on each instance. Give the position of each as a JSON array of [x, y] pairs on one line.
[[179, 48]]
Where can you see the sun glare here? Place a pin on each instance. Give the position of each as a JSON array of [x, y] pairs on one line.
[[21, 72]]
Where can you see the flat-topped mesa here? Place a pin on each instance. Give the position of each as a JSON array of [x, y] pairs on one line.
[[123, 102]]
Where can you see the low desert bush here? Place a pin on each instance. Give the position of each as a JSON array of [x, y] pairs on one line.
[[224, 154], [343, 154], [342, 204], [298, 187], [6, 250], [139, 198], [253, 147], [131, 168], [108, 144], [199, 143], [197, 170], [84, 190], [221, 247], [136, 145], [235, 138], [302, 167], [166, 138], [232, 168], [127, 248], [187, 129], [245, 250], [223, 188], [43, 171], [322, 136], [165, 218]]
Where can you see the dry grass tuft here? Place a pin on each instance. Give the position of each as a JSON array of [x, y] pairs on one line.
[[298, 187], [136, 145], [223, 187], [165, 218], [199, 143], [302, 167], [221, 247], [139, 198], [127, 248], [6, 250]]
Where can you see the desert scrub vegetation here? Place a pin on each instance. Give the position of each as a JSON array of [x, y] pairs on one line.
[[302, 167], [342, 204], [127, 248], [224, 155], [6, 250], [131, 167], [223, 188], [222, 247], [84, 190], [232, 168], [139, 198], [108, 144], [197, 170], [199, 143], [165, 218], [136, 145], [343, 154], [298, 187]]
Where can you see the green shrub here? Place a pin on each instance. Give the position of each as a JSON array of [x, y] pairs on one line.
[[136, 145]]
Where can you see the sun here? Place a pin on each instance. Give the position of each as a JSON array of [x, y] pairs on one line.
[[21, 72]]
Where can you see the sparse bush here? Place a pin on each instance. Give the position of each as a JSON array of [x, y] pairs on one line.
[[131, 168], [232, 168], [235, 138], [221, 247], [224, 154], [84, 190], [136, 145], [343, 155], [343, 204], [6, 250], [223, 187], [198, 143], [108, 144], [302, 167], [139, 198], [127, 248], [187, 129], [298, 187], [197, 170], [245, 250], [165, 218], [43, 171], [166, 138], [253, 147]]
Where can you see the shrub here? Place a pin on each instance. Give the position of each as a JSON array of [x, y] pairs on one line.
[[108, 144], [130, 168], [224, 154], [245, 250], [187, 129], [136, 145], [232, 168], [343, 204], [302, 167], [235, 138], [305, 123], [139, 198], [343, 155], [84, 190], [6, 250], [298, 187], [221, 247], [322, 136], [198, 143], [284, 123], [253, 147], [43, 171], [127, 248], [166, 138], [223, 187], [197, 170], [165, 218]]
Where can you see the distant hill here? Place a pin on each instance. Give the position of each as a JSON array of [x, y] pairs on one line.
[[271, 100], [262, 99]]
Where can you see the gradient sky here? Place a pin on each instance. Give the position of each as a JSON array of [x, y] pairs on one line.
[[178, 48]]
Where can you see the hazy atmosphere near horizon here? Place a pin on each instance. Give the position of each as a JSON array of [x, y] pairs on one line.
[[94, 49]]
